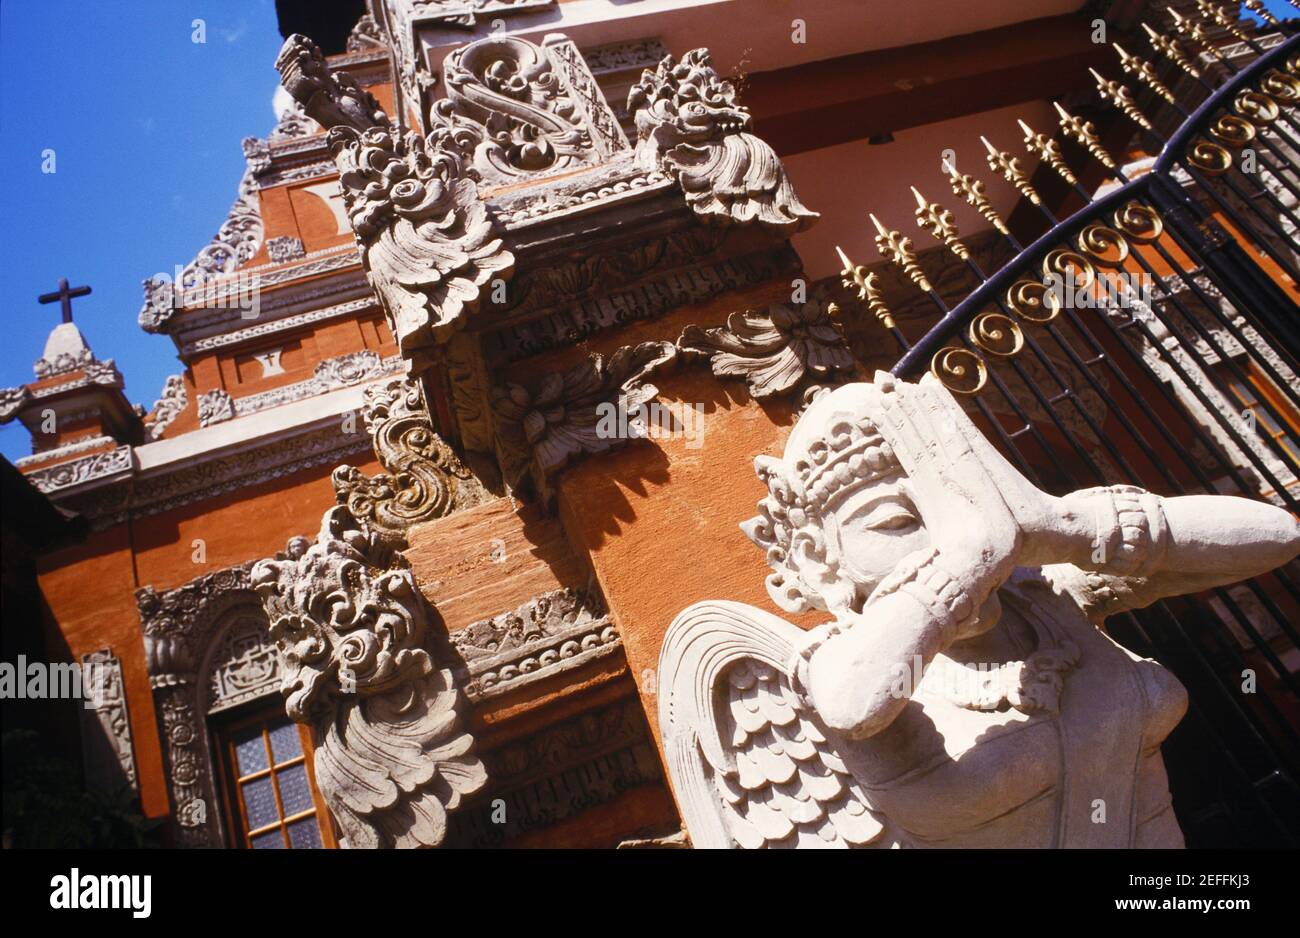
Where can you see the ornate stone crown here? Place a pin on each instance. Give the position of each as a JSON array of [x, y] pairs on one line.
[[834, 449]]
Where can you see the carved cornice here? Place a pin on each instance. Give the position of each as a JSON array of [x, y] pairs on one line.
[[423, 478], [392, 761], [773, 349], [79, 472], [543, 427], [67, 449], [690, 125]]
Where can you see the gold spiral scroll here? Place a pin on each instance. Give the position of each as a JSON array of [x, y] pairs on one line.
[[1233, 131], [960, 370], [1097, 241], [1209, 158], [996, 334], [1033, 301], [1069, 263], [1281, 87], [1139, 222], [1259, 109]]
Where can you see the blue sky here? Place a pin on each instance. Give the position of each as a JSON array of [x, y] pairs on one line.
[[146, 127]]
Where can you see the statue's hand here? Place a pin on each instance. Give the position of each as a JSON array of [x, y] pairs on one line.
[[976, 507]]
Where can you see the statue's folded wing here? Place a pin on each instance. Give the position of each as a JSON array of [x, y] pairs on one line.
[[751, 764]]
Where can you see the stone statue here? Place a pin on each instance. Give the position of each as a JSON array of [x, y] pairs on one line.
[[964, 693]]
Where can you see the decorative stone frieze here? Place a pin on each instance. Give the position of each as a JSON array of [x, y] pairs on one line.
[[87, 469], [423, 478], [548, 635], [284, 249], [690, 125], [352, 630], [215, 406], [543, 427], [773, 349]]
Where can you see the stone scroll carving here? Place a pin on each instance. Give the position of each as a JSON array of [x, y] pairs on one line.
[[424, 478], [689, 124], [352, 630], [516, 110], [544, 426], [773, 349], [107, 752], [961, 693]]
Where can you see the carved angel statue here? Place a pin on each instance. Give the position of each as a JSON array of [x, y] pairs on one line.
[[964, 692]]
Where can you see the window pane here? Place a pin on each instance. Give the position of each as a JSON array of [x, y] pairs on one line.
[[259, 803], [294, 791], [250, 750], [285, 742], [271, 840], [304, 834]]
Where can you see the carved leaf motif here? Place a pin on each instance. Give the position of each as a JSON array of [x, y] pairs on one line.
[[772, 349]]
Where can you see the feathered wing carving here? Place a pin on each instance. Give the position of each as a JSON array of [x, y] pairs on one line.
[[351, 628], [689, 123], [752, 765]]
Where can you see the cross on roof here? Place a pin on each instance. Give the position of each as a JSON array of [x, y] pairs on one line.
[[64, 296]]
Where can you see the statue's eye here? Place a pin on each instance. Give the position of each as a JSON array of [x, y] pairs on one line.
[[889, 516]]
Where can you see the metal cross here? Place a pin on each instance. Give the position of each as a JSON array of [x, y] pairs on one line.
[[64, 296]]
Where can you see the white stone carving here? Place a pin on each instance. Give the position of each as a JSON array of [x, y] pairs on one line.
[[690, 125], [215, 406], [283, 249], [81, 471], [351, 628], [106, 726], [962, 693], [168, 407]]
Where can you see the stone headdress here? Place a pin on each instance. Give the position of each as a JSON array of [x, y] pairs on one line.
[[834, 449]]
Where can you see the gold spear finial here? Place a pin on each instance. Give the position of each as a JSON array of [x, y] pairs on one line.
[[1145, 73], [1190, 29], [855, 276], [1120, 97], [1010, 169], [1261, 11], [970, 189], [896, 247], [1171, 50], [937, 220], [1084, 132], [1216, 13], [1049, 151]]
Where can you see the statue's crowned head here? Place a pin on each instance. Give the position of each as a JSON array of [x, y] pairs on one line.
[[839, 512]]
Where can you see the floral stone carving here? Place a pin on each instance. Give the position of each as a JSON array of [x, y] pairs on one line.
[[962, 693], [425, 479], [773, 349], [544, 427], [352, 631], [329, 98], [689, 124]]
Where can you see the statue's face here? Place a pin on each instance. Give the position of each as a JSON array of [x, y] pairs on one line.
[[877, 525]]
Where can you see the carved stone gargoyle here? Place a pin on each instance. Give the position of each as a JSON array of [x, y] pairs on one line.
[[690, 125], [352, 630]]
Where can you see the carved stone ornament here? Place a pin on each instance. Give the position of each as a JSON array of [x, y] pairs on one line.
[[424, 478], [329, 98], [215, 406], [284, 249], [515, 110], [689, 123], [107, 752], [773, 349], [352, 630], [168, 407], [544, 427], [366, 36], [962, 693], [427, 242]]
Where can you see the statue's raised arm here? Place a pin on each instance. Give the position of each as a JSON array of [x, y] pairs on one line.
[[961, 658]]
